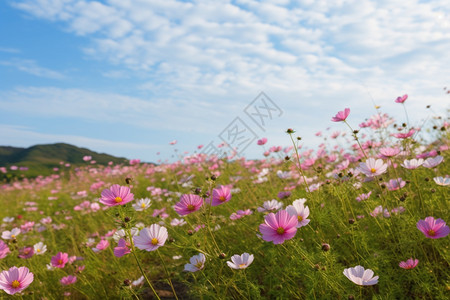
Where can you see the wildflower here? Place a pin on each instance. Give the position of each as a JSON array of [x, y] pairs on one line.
[[26, 252], [341, 116], [68, 280], [60, 260], [151, 238], [262, 141], [360, 276], [177, 222], [4, 249], [240, 213], [395, 184], [138, 281], [442, 181], [372, 167], [389, 152], [298, 210], [121, 249], [102, 245], [409, 264], [432, 162], [220, 195], [141, 204], [188, 204], [116, 195], [284, 194], [272, 205], [404, 135], [401, 99], [15, 280], [240, 261], [278, 227], [412, 164], [363, 196], [197, 262], [10, 235], [433, 228]]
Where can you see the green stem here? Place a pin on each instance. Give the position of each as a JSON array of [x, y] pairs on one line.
[[168, 275]]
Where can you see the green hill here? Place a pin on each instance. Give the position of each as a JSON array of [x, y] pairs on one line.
[[41, 159]]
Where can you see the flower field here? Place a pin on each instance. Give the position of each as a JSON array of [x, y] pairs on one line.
[[362, 216]]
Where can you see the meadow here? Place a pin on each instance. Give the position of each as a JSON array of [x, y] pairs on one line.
[[362, 216]]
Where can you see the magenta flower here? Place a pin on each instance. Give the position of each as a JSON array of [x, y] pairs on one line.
[[102, 245], [26, 252], [60, 260], [401, 99], [68, 280], [279, 227], [341, 116], [116, 195], [433, 229], [409, 264], [121, 249], [389, 152], [262, 141], [151, 238], [363, 196], [220, 195], [402, 135], [372, 167], [395, 184], [188, 204], [15, 280], [4, 250]]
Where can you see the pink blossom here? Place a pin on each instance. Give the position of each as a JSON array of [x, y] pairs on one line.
[[389, 152], [372, 167], [404, 135], [220, 195], [401, 99], [121, 249], [433, 228], [412, 164], [188, 204], [4, 250], [262, 141], [68, 280], [341, 116], [15, 280], [395, 184], [278, 227], [26, 252], [60, 260], [102, 245], [409, 264], [432, 162], [116, 195], [151, 238], [363, 196]]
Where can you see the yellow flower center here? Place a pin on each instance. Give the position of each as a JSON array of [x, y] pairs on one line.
[[280, 230], [431, 232], [38, 250], [222, 198], [143, 205], [13, 236], [241, 266], [154, 241], [60, 262], [15, 284], [299, 218], [373, 170], [118, 199], [190, 207]]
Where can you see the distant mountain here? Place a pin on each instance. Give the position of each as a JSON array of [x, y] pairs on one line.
[[41, 159]]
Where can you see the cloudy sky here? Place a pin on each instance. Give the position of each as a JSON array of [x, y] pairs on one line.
[[127, 77]]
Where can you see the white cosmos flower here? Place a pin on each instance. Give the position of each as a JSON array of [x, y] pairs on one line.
[[360, 276]]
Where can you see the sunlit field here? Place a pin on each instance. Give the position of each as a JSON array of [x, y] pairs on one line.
[[362, 216]]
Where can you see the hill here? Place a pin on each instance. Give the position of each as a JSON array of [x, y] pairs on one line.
[[42, 159]]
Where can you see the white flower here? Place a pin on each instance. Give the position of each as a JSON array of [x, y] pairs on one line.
[[197, 262], [139, 281], [142, 204], [40, 248], [240, 261], [412, 164], [432, 162], [8, 219], [360, 276], [9, 235], [284, 175], [272, 205], [442, 181], [177, 222], [299, 210]]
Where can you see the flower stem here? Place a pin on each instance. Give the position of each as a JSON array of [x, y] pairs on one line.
[[168, 275]]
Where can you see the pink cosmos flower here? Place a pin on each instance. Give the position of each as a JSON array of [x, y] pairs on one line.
[[240, 261], [4, 249], [68, 280], [220, 195], [102, 245], [301, 212], [360, 276], [60, 260], [10, 235], [271, 205], [409, 264], [341, 116], [389, 152], [363, 196], [372, 167], [188, 204], [279, 227], [116, 195], [433, 228], [395, 184], [412, 164], [15, 280], [401, 99], [262, 141], [432, 162], [404, 135], [151, 238], [26, 252], [121, 249]]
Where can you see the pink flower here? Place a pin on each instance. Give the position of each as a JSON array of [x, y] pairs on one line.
[[220, 195], [68, 280], [363, 196], [409, 264], [404, 135], [26, 252], [341, 116], [372, 167], [188, 204], [121, 249], [360, 276], [102, 245], [60, 260], [389, 152], [433, 229], [262, 141], [151, 238], [301, 212], [401, 99], [395, 184], [279, 227], [4, 250], [116, 195], [432, 162], [15, 280]]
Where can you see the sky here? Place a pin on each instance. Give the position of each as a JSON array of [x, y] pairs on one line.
[[128, 77]]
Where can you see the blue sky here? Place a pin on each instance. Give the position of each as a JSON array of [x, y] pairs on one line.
[[127, 77]]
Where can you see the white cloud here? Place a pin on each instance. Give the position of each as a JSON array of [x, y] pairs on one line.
[[31, 67]]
